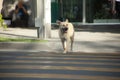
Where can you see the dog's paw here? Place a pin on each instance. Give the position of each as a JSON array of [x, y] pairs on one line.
[[64, 52]]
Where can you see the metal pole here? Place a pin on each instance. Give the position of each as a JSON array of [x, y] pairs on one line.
[[38, 32], [47, 18], [84, 11], [61, 8], [40, 17]]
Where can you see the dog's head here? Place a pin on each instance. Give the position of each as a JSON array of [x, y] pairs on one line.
[[63, 26]]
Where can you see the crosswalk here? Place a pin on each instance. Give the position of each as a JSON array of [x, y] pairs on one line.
[[58, 66]]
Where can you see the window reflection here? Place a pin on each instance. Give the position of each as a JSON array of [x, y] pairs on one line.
[[95, 9]]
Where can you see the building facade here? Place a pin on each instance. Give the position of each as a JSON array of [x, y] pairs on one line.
[[80, 11]]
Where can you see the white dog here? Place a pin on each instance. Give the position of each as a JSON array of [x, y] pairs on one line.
[[66, 34]]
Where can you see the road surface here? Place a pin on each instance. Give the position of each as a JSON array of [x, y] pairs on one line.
[[57, 66]]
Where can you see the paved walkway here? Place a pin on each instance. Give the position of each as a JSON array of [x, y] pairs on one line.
[[85, 41]]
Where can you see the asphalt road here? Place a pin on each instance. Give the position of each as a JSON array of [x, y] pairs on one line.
[[57, 66]]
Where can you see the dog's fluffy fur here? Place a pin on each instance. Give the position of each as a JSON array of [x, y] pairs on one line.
[[66, 34]]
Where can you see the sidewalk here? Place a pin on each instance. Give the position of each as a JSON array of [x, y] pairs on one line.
[[85, 41]]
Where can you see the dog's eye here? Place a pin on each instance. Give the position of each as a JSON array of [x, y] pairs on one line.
[[63, 25], [66, 24]]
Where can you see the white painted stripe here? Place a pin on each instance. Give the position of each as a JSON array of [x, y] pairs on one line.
[[57, 76], [58, 68], [62, 58], [60, 52], [65, 56], [58, 62]]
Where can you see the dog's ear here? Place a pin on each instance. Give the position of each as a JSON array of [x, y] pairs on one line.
[[66, 20], [58, 22]]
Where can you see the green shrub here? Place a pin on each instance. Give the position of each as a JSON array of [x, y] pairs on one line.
[[6, 39], [2, 24]]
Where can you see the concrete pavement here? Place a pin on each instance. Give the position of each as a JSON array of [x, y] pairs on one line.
[[85, 41]]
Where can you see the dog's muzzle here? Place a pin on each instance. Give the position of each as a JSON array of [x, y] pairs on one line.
[[64, 30]]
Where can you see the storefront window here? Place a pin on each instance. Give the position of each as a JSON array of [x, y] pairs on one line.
[[96, 11], [71, 9], [103, 12]]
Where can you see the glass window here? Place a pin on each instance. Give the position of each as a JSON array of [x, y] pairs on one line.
[[96, 11], [103, 12], [70, 9]]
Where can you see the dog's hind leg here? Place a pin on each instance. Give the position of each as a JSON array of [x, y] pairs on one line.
[[62, 43], [71, 45], [72, 40]]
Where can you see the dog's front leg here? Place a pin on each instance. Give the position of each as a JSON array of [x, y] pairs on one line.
[[65, 46]]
